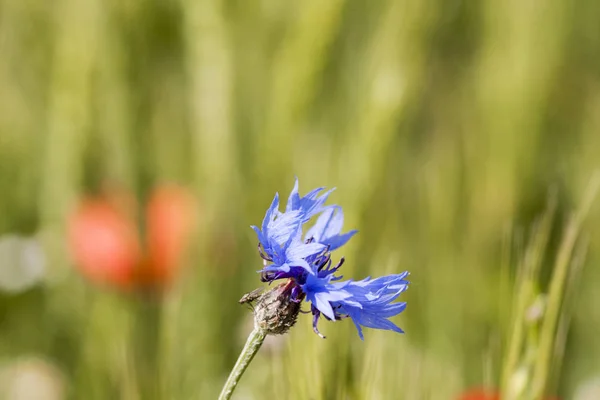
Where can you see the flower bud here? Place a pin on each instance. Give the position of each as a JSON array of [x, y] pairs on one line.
[[276, 311]]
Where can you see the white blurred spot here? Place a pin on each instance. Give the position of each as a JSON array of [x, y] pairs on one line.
[[588, 390], [31, 378], [518, 383], [536, 311], [22, 263]]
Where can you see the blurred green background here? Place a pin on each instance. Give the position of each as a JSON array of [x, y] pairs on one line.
[[448, 127]]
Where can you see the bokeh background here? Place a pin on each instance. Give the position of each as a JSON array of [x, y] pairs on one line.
[[461, 137]]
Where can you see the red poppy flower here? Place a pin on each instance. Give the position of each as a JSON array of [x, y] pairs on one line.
[[480, 394], [484, 394], [105, 243]]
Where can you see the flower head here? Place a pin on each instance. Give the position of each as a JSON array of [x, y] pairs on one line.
[[280, 237], [305, 260]]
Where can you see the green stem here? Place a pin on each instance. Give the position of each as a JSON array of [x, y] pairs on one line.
[[560, 275], [255, 340], [146, 347]]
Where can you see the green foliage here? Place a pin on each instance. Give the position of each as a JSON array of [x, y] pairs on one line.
[[443, 124]]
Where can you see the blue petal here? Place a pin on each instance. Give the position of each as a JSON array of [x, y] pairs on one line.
[[272, 272], [328, 227], [309, 205], [273, 267], [276, 252], [370, 301], [328, 224], [269, 214], [372, 320], [338, 241], [284, 226], [303, 264], [391, 310], [323, 295], [322, 303], [293, 198], [359, 329], [304, 250], [261, 238]]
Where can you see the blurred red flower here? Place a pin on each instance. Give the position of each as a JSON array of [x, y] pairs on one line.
[[484, 394], [105, 241], [479, 394]]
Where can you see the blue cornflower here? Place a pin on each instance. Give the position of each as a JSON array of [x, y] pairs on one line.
[[306, 262], [280, 237], [368, 302]]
